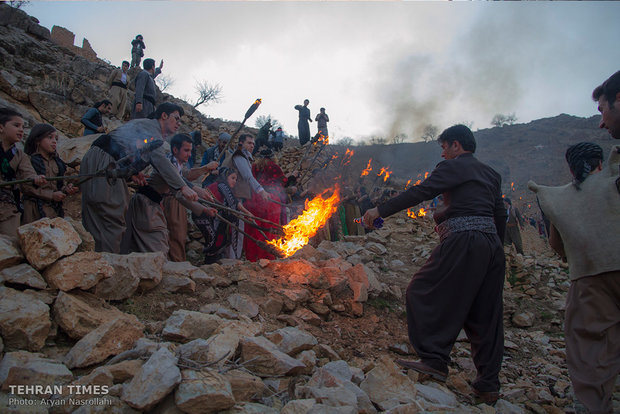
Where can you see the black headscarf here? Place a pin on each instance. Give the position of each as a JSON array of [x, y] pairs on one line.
[[582, 159]]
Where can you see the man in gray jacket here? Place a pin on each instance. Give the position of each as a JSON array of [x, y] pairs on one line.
[[104, 201], [144, 100]]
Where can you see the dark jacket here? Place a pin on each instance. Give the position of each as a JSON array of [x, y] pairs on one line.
[[469, 188]]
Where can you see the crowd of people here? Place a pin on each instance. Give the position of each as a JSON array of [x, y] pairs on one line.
[[459, 287]]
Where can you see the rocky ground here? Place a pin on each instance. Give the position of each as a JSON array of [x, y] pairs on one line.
[[316, 333]]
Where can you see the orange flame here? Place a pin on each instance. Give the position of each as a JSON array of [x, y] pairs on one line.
[[387, 175], [298, 231], [421, 213], [346, 159], [407, 185], [323, 139], [426, 175], [258, 101], [367, 170], [383, 170], [512, 186]]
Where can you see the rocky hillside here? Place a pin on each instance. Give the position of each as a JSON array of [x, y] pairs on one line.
[[315, 333], [521, 152], [46, 78]]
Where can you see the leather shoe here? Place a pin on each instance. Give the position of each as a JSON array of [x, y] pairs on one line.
[[487, 397], [423, 368]]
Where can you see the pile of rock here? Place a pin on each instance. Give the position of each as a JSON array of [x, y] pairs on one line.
[[218, 358], [246, 337]]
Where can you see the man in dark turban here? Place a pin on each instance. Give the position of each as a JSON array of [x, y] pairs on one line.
[[585, 229]]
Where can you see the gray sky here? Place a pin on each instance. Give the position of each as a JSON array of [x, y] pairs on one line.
[[379, 68]]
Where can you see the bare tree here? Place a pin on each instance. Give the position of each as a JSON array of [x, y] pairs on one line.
[[207, 92], [511, 119], [164, 82], [377, 140], [430, 133], [499, 120], [345, 141], [262, 120], [399, 139]]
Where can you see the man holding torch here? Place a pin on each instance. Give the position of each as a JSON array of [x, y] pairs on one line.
[[460, 286]]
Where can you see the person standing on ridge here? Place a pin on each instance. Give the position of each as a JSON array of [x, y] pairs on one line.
[[302, 125]]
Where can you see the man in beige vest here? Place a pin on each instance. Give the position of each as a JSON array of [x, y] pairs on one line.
[[117, 82], [585, 229]]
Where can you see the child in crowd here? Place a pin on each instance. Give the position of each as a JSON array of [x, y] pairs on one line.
[[93, 118], [220, 239], [14, 165], [46, 200]]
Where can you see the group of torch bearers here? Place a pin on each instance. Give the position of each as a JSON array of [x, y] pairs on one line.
[[297, 208], [121, 223]]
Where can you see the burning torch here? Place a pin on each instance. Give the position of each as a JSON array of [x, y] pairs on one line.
[[248, 114]]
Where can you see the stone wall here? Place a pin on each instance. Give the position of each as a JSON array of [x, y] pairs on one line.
[[66, 38]]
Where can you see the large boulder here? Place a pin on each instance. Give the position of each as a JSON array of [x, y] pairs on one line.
[[184, 326], [109, 339], [88, 242], [265, 359], [223, 344], [131, 271], [243, 304], [186, 269], [79, 313], [295, 271], [10, 253], [292, 340], [387, 386], [47, 240], [82, 270], [358, 281], [337, 375], [177, 284], [436, 397], [204, 391], [245, 386], [24, 321], [25, 368], [155, 380], [23, 274]]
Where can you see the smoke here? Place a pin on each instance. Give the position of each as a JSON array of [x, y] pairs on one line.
[[480, 73]]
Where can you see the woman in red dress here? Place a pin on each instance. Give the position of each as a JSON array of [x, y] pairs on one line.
[[269, 174]]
